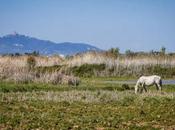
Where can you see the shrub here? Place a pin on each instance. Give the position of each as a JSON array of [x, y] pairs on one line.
[[115, 51], [73, 81], [125, 87], [70, 80], [31, 62], [88, 70], [129, 53]]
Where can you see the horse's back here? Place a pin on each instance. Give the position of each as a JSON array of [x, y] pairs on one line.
[[151, 77], [157, 77]]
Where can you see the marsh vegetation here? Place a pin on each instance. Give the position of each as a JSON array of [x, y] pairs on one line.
[[41, 92], [92, 105]]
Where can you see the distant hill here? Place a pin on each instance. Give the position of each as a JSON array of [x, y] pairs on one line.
[[16, 43]]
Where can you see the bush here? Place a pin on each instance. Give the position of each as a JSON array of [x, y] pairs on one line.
[[125, 87], [73, 81], [31, 62], [115, 51], [162, 71], [88, 70]]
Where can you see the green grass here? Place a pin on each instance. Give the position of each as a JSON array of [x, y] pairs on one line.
[[77, 115], [86, 84], [87, 70], [6, 87], [92, 105]]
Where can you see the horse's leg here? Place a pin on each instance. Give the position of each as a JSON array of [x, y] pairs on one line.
[[144, 86], [136, 88], [159, 87], [140, 90], [160, 84]]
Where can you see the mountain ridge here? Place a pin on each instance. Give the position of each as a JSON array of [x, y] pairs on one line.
[[18, 43]]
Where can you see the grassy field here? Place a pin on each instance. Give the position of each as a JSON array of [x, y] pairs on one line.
[[91, 105]]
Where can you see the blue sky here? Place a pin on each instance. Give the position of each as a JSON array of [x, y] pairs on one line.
[[139, 25]]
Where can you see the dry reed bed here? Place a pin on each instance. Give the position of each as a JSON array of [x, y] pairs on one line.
[[15, 68], [123, 65], [125, 61], [52, 78], [20, 74], [91, 58], [86, 96], [20, 61]]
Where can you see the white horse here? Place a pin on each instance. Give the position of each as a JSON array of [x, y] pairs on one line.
[[144, 81]]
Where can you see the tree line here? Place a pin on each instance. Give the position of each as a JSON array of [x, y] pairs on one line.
[[116, 52]]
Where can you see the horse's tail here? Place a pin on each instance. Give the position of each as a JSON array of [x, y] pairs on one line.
[[160, 82]]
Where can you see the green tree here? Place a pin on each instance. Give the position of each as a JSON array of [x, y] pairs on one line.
[[35, 53], [163, 50], [129, 53], [115, 51]]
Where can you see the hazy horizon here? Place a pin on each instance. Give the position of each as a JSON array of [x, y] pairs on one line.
[[136, 25]]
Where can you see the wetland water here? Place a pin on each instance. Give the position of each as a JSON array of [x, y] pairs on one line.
[[169, 81]]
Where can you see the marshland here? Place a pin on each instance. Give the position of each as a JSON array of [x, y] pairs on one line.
[[87, 65], [52, 92]]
